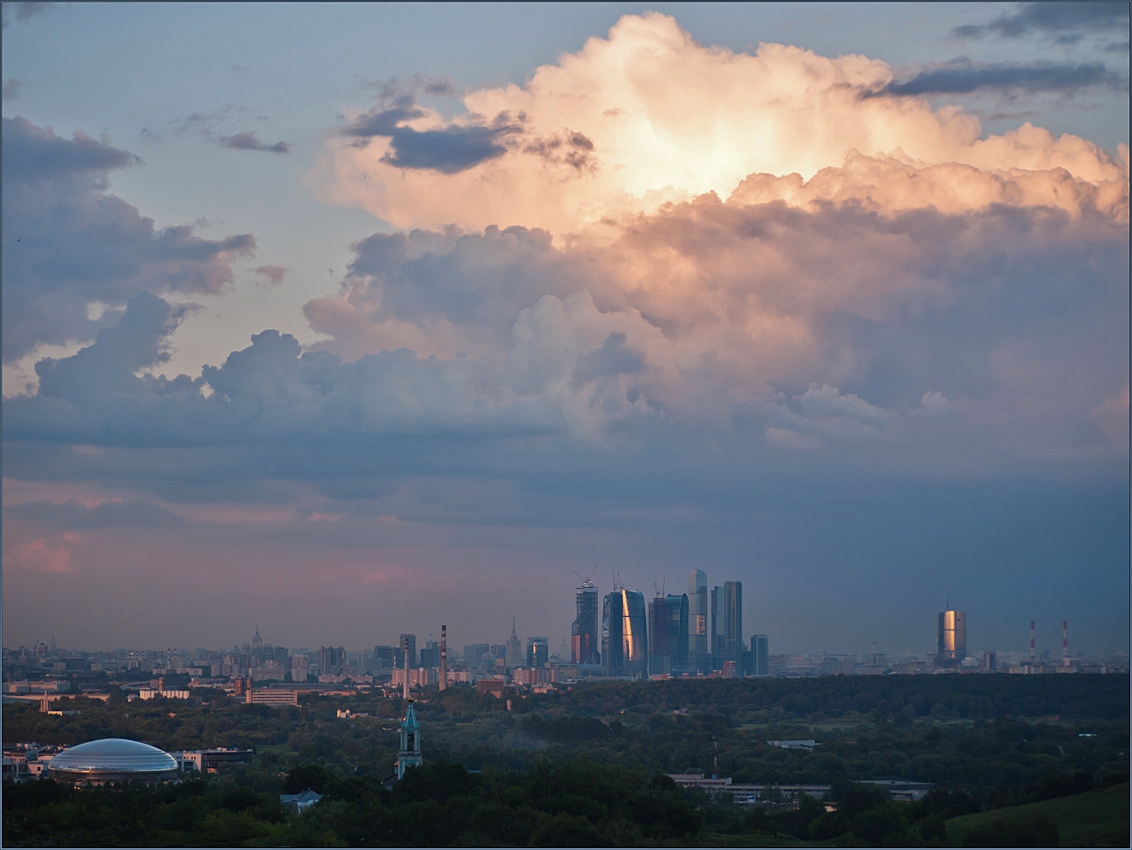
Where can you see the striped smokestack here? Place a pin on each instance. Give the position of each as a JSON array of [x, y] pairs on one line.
[[1064, 643], [443, 657], [1033, 658], [405, 654]]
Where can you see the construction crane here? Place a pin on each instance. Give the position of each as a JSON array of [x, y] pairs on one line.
[[586, 582]]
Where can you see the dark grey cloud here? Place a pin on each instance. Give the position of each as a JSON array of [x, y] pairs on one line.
[[449, 150], [24, 11], [401, 90], [267, 393], [381, 122], [67, 242], [70, 514], [34, 154], [571, 148], [247, 141], [11, 89], [1061, 19], [962, 76], [473, 279]]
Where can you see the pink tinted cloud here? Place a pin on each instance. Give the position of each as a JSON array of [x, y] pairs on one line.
[[665, 119], [41, 556]]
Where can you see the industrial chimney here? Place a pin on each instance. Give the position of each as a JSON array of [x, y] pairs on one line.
[[405, 655], [1064, 643], [1033, 657], [443, 657]]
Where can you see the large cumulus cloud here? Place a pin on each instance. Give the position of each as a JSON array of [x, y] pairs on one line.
[[68, 244], [662, 118]]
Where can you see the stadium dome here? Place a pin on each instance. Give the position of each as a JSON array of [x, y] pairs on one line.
[[113, 760]]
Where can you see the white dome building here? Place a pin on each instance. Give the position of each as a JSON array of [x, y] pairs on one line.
[[113, 760]]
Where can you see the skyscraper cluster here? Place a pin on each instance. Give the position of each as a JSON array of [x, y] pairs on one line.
[[675, 635]]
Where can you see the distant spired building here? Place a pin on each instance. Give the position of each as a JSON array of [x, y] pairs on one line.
[[584, 646], [514, 658], [698, 618], [952, 641], [625, 634]]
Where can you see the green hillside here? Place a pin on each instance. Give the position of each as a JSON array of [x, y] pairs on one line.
[[1092, 819]]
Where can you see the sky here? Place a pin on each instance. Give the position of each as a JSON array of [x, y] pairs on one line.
[[352, 320]]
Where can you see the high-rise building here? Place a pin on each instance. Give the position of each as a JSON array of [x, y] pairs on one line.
[[385, 657], [659, 660], [668, 634], [733, 645], [331, 660], [715, 649], [538, 648], [697, 617], [624, 644], [473, 655], [678, 631], [584, 646], [952, 641], [760, 656], [514, 648], [412, 649]]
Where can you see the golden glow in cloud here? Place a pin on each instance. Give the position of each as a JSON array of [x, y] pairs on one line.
[[647, 115]]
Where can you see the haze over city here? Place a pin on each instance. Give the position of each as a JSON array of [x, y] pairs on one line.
[[352, 320]]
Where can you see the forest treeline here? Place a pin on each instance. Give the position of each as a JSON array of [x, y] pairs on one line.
[[986, 741]]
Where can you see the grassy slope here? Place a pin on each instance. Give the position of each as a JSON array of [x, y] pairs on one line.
[[1093, 819]]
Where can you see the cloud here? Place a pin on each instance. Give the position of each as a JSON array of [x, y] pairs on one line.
[[25, 11], [404, 90], [68, 243], [612, 358], [138, 512], [267, 392], [448, 149], [40, 556], [272, 275], [961, 76], [1112, 417], [604, 134], [1051, 18], [247, 141], [11, 89]]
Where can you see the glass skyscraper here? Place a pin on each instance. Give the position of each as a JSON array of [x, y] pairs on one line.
[[733, 645], [624, 641], [584, 646], [760, 656], [668, 634], [697, 617], [952, 643]]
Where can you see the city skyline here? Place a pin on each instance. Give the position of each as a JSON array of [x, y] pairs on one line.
[[411, 324]]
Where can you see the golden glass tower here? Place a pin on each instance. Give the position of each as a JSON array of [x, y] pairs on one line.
[[952, 642]]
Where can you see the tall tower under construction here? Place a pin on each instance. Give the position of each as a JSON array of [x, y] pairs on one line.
[[584, 645]]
